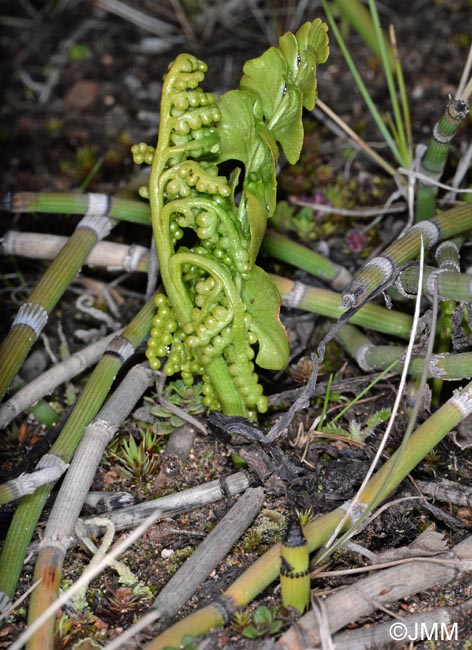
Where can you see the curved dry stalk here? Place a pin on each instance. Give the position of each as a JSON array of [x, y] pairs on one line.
[[72, 495]]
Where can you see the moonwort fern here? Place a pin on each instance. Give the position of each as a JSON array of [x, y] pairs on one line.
[[220, 311]]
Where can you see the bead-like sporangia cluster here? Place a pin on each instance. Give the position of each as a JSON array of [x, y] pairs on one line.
[[220, 311], [193, 197]]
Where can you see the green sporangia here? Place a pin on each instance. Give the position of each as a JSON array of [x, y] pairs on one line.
[[219, 316]]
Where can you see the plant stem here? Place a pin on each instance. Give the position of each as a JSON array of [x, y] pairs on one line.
[[266, 568], [34, 312], [450, 285], [111, 255], [71, 497], [328, 303], [447, 367], [435, 157], [285, 249], [72, 203], [381, 271], [52, 378], [30, 507]]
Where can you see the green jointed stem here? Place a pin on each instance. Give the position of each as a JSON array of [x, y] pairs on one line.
[[328, 303], [450, 285], [372, 357], [381, 271], [294, 569], [42, 301], [255, 579], [30, 507], [69, 203], [285, 249], [435, 157]]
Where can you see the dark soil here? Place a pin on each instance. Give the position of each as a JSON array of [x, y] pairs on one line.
[[79, 89]]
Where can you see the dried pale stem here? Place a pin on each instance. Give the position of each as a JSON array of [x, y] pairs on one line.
[[72, 495], [195, 570], [27, 514], [447, 491], [113, 256], [48, 381], [168, 506], [266, 568]]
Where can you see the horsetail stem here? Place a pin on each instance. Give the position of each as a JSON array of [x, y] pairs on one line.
[[450, 285], [30, 507], [294, 568], [328, 303], [285, 249], [33, 313], [257, 577], [381, 271], [370, 357], [74, 203], [434, 159]]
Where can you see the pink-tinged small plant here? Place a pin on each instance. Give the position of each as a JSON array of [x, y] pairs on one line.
[[318, 198], [356, 241]]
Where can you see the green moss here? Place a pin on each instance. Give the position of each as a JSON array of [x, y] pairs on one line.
[[178, 558]]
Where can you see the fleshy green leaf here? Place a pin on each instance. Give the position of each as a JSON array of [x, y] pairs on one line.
[[257, 150], [237, 111], [286, 125], [266, 77], [303, 52], [250, 632], [263, 303], [262, 616]]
